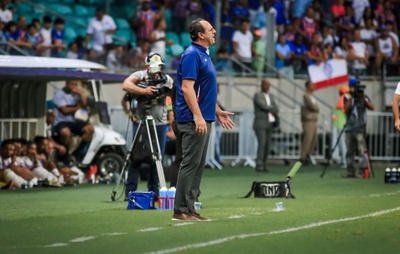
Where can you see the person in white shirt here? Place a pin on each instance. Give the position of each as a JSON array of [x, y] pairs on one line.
[[359, 54], [5, 14], [46, 35], [368, 35], [359, 7], [158, 39], [242, 43], [386, 49], [100, 31]]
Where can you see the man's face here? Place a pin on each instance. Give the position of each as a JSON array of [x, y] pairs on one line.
[[32, 149], [99, 15], [71, 85], [209, 33], [8, 151], [265, 85]]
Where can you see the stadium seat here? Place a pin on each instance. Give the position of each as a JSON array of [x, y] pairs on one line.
[[122, 24], [70, 34], [124, 34], [185, 40], [68, 1], [61, 9], [81, 10], [40, 9], [23, 9], [168, 19], [81, 31], [173, 36], [176, 49]]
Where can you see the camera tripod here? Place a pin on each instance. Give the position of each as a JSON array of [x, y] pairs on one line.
[[156, 156], [366, 154]]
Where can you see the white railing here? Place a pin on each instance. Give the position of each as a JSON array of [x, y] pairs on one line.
[[18, 128]]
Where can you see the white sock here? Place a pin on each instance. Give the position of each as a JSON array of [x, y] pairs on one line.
[[43, 173], [55, 172], [18, 181]]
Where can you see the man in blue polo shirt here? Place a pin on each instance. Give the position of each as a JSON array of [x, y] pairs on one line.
[[196, 109]]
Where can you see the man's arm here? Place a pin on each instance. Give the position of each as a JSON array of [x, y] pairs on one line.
[[395, 110], [224, 118], [190, 97], [309, 104], [258, 101], [130, 86]]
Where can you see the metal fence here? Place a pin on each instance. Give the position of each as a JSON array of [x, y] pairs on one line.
[[18, 128], [239, 145]]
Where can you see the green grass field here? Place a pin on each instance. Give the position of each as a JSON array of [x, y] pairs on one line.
[[329, 215]]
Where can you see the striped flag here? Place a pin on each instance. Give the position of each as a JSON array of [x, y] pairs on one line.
[[330, 73]]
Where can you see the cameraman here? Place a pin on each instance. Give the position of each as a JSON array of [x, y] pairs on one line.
[[355, 104], [149, 87]]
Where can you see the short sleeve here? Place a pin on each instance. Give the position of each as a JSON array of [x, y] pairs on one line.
[[190, 66]]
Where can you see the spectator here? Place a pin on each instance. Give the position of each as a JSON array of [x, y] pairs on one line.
[[258, 47], [100, 30], [22, 25], [115, 59], [58, 38], [195, 10], [5, 14], [378, 7], [37, 24], [72, 50], [359, 7], [369, 35], [140, 54], [369, 14], [359, 55], [240, 11], [222, 59], [343, 49], [315, 54], [308, 25], [90, 55], [34, 41], [289, 32], [242, 44], [260, 20], [387, 16], [328, 52], [46, 35], [284, 56], [345, 24], [319, 15], [80, 42], [13, 36], [279, 6], [158, 39], [300, 59], [227, 25], [390, 27], [338, 10], [386, 50], [309, 120], [180, 15], [328, 36]]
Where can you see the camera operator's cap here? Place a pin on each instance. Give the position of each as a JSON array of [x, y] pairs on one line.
[[353, 82], [154, 60], [344, 89]]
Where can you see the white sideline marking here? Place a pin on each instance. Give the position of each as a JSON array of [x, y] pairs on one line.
[[115, 233], [82, 239], [183, 224], [384, 194], [56, 245], [149, 229], [243, 236], [236, 216]]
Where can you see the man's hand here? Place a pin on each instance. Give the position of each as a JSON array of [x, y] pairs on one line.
[[225, 120], [397, 124], [201, 125], [149, 90]]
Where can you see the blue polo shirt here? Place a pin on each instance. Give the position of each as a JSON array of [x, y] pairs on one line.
[[196, 64]]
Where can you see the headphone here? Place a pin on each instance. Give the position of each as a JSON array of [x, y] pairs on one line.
[[151, 55]]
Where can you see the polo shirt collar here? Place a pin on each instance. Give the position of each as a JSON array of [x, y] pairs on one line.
[[204, 49]]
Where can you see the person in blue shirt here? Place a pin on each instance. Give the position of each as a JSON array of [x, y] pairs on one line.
[[196, 108], [300, 60], [57, 38]]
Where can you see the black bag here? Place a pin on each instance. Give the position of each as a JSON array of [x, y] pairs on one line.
[[269, 190], [141, 151]]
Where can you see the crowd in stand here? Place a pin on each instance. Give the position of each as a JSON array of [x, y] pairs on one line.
[[363, 32]]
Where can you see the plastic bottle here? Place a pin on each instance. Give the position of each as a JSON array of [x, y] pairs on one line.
[[171, 198], [387, 175], [162, 199], [393, 175]]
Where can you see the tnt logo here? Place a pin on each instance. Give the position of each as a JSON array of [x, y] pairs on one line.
[[270, 190]]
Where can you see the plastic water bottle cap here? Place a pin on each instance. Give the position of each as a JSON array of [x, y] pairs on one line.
[[387, 170], [394, 170]]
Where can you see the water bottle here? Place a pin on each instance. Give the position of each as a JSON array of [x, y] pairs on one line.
[[162, 199], [393, 178], [171, 198], [387, 175]]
